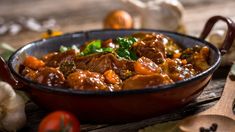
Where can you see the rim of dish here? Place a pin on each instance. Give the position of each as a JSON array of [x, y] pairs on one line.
[[158, 88]]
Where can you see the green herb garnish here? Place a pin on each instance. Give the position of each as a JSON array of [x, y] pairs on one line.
[[124, 49], [95, 47], [7, 51]]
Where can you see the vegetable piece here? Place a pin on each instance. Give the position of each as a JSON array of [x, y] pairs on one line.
[[59, 121], [126, 42], [184, 61], [112, 77], [51, 33], [95, 47], [124, 49], [33, 62], [8, 50], [12, 107], [177, 55], [64, 48], [145, 66]]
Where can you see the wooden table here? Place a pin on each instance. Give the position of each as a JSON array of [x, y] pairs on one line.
[[88, 14]]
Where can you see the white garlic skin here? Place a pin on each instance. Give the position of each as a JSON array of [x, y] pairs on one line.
[[12, 109], [217, 38], [159, 14]]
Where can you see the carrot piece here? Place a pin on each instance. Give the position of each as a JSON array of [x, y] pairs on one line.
[[33, 62], [111, 77], [176, 55], [184, 61]]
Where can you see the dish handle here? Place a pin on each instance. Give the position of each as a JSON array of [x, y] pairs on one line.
[[6, 76], [230, 35]]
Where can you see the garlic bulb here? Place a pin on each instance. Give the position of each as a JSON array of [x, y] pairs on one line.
[[217, 37], [159, 14], [12, 106]]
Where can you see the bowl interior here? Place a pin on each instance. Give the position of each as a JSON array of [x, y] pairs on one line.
[[42, 47]]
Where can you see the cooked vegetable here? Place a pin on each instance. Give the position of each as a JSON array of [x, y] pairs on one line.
[[51, 33], [95, 47], [7, 50], [112, 77], [138, 61], [59, 121], [12, 107], [64, 48], [33, 62], [124, 49]]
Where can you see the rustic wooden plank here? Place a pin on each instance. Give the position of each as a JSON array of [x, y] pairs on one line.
[[131, 127]]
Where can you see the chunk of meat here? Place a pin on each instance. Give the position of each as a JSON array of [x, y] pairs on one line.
[[197, 56], [55, 59], [176, 70], [145, 81], [145, 66], [86, 80], [103, 62], [151, 46], [50, 76], [28, 73], [199, 60]]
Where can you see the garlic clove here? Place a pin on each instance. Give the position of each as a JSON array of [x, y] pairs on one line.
[[14, 28], [6, 93], [12, 106], [217, 37], [33, 24], [15, 117]]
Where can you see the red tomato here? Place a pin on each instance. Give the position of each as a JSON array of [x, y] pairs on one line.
[[59, 121]]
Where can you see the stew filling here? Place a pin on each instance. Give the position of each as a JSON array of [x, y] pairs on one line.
[[138, 61]]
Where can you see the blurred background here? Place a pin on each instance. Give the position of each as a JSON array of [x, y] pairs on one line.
[[80, 15]]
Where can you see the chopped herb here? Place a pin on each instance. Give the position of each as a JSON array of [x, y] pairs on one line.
[[133, 56], [126, 42], [95, 47], [123, 53], [124, 49]]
